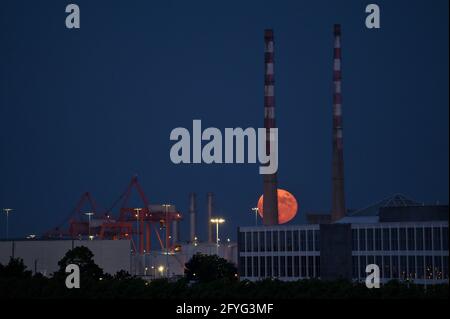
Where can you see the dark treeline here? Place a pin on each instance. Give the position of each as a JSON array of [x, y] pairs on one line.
[[199, 283]]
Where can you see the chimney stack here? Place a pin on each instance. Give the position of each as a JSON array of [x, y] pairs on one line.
[[210, 197], [192, 216], [338, 200], [270, 203]]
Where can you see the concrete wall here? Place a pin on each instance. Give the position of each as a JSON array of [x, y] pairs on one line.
[[43, 255], [335, 251]]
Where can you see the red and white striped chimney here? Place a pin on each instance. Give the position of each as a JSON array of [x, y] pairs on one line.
[[270, 203], [338, 200]]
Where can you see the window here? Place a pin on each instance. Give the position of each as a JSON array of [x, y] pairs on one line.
[[289, 266], [370, 239], [262, 265], [269, 241], [289, 240], [362, 239], [402, 239], [428, 237], [387, 267], [302, 240], [275, 240], [282, 240], [296, 243], [296, 266], [379, 263], [317, 240], [255, 267], [310, 266], [310, 240], [420, 269], [262, 241], [269, 266], [394, 239], [436, 238], [411, 239], [412, 267], [282, 266], [303, 266], [445, 238], [378, 239], [394, 262], [276, 266], [419, 239], [248, 242], [386, 240], [255, 241]]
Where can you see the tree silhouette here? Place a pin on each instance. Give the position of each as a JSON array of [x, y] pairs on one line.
[[205, 268], [83, 257], [14, 269]]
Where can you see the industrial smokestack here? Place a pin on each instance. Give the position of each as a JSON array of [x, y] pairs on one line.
[[192, 216], [270, 204], [338, 200], [210, 198]]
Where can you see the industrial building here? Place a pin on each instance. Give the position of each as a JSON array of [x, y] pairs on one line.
[[407, 240], [42, 256]]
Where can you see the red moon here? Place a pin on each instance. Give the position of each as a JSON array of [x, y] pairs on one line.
[[287, 206]]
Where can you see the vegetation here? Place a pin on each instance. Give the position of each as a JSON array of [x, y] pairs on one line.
[[214, 279], [207, 268]]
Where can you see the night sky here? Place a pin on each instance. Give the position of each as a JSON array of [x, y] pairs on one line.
[[85, 110]]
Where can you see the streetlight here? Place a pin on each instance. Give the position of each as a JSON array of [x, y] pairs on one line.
[[256, 210], [7, 211], [161, 270], [217, 221], [166, 223], [89, 215]]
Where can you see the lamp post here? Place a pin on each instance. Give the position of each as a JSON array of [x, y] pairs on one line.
[[7, 211], [89, 215], [217, 221], [256, 210], [166, 223]]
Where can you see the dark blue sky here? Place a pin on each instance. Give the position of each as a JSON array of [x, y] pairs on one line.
[[87, 109]]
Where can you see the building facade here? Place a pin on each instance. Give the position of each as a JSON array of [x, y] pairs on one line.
[[403, 249]]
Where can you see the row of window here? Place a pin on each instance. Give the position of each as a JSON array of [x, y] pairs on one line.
[[280, 266], [279, 240], [401, 238], [403, 267]]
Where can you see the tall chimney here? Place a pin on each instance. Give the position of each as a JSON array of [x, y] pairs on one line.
[[338, 200], [210, 197], [192, 216], [270, 203]]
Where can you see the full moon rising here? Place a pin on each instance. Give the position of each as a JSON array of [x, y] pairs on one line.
[[287, 206]]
